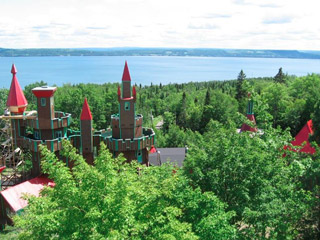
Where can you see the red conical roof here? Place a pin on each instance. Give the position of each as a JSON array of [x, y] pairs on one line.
[[302, 139], [16, 97], [85, 113], [126, 74]]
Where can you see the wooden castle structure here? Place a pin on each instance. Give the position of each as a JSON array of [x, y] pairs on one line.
[[48, 127]]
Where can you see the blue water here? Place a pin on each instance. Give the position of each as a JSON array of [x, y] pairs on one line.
[[146, 70]]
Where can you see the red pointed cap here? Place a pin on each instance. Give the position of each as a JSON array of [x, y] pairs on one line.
[[16, 97], [13, 69], [85, 113], [126, 74]]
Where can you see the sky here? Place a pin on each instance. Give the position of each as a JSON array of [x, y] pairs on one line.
[[244, 24]]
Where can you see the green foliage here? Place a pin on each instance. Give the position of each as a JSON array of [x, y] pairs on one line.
[[168, 119], [118, 200], [290, 106], [316, 123], [3, 99], [10, 233], [307, 90], [249, 173], [222, 108], [279, 102], [182, 111]]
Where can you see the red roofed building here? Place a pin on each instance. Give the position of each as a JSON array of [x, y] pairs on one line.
[[11, 198], [302, 139], [16, 102]]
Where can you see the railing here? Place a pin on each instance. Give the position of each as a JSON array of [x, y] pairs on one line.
[[147, 140], [33, 145], [61, 120]]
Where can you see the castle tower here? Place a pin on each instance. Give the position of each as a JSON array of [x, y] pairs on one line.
[[50, 126], [86, 132], [16, 102], [126, 107], [45, 109], [128, 136], [250, 116]]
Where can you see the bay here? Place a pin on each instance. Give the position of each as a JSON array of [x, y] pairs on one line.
[[146, 69]]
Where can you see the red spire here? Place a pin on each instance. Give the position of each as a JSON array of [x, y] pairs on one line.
[[85, 113], [126, 74], [16, 97], [13, 69], [119, 91]]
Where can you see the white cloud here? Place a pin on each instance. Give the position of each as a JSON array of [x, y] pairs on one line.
[[165, 23]]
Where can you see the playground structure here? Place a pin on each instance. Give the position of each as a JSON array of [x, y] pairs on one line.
[[11, 158], [26, 130]]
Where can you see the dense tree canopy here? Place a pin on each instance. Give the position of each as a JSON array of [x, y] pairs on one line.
[[249, 173], [117, 200], [232, 186]]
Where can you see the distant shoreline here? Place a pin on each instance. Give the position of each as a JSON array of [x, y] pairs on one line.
[[176, 52]]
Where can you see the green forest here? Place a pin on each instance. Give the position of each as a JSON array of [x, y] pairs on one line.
[[232, 186]]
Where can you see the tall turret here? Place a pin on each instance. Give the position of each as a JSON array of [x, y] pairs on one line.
[[16, 102], [250, 116], [86, 132], [126, 107], [128, 136]]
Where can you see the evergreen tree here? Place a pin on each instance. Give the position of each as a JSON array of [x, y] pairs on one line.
[[182, 112], [280, 77], [207, 99], [240, 91], [205, 113]]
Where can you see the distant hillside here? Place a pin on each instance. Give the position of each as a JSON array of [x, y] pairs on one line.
[[195, 52]]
